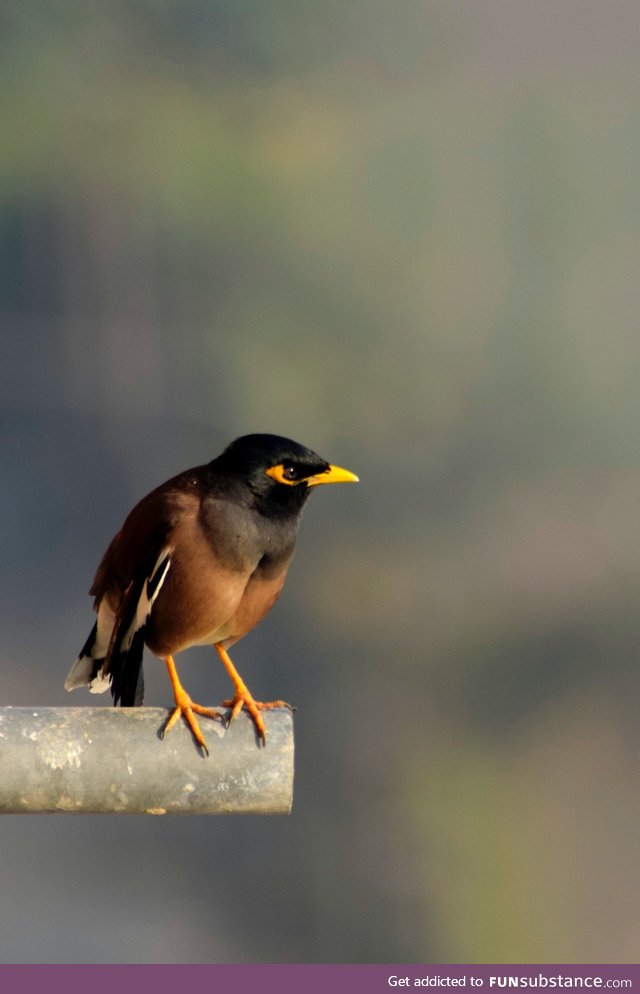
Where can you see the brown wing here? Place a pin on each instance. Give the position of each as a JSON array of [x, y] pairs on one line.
[[126, 583], [133, 552]]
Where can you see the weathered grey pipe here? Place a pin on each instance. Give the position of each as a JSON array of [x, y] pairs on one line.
[[112, 761]]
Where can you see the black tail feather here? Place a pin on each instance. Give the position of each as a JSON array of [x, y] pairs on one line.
[[87, 648], [125, 670]]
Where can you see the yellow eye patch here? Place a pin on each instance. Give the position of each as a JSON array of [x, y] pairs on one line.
[[283, 474]]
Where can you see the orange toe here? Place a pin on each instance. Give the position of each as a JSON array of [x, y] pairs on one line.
[[187, 708]]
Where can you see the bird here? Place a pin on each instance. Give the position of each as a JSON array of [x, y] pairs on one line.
[[200, 560]]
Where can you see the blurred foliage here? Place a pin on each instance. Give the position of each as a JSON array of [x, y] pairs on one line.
[[406, 234]]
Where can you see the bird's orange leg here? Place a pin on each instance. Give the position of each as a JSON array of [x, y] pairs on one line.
[[185, 706], [243, 697]]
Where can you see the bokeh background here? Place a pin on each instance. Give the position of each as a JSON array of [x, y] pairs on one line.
[[407, 234]]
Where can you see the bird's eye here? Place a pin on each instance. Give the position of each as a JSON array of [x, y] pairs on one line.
[[285, 472]]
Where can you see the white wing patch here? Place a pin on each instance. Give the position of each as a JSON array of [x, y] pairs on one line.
[[106, 620], [150, 590], [99, 684], [80, 672]]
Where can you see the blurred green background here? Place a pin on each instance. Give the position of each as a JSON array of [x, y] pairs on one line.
[[406, 234]]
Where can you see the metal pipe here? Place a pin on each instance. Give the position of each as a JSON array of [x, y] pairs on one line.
[[112, 760]]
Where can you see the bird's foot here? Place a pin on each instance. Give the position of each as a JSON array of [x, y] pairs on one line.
[[243, 698], [185, 706], [188, 708]]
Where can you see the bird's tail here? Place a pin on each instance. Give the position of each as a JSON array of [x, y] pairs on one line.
[[87, 671], [125, 672], [104, 664]]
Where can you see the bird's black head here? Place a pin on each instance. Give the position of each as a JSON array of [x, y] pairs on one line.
[[278, 471]]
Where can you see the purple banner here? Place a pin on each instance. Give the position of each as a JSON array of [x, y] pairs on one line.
[[309, 979]]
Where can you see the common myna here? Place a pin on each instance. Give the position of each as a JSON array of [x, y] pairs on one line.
[[199, 560]]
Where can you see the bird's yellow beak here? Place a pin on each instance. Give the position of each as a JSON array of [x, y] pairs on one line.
[[334, 474]]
